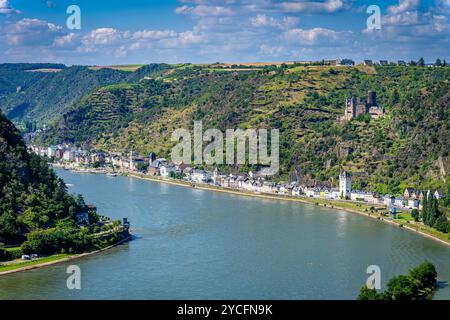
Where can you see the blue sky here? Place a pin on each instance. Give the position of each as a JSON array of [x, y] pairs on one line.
[[173, 31]]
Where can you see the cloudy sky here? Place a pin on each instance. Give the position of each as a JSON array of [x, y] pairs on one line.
[[144, 31]]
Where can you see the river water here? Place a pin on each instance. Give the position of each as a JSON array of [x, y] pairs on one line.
[[194, 244]]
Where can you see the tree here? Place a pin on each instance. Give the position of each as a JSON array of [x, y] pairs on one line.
[[420, 282], [423, 276], [395, 97], [441, 224], [400, 288], [421, 62], [424, 213], [447, 195], [415, 214], [365, 293], [438, 63]]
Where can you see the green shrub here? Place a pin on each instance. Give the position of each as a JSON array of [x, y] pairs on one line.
[[4, 255]]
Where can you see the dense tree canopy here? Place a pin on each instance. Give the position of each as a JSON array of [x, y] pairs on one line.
[[32, 197], [419, 283]]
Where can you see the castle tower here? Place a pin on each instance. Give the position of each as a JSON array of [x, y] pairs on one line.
[[345, 185], [131, 164], [372, 99], [215, 176], [350, 105]]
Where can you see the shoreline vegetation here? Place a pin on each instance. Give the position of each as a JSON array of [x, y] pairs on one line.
[[40, 221], [403, 221], [51, 260], [420, 283]]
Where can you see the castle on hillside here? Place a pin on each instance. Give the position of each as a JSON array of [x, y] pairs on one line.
[[354, 107]]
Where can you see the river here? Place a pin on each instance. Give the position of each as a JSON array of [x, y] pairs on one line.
[[196, 244]]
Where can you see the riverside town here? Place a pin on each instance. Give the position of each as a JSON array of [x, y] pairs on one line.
[[401, 208], [193, 155]]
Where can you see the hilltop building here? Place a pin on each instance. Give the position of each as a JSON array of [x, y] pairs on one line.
[[345, 185], [354, 107], [345, 62]]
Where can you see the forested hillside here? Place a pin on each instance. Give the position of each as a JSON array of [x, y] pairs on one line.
[[32, 197], [33, 94], [407, 147]]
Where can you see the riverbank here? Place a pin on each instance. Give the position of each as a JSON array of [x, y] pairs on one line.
[[349, 206], [52, 260], [358, 208]]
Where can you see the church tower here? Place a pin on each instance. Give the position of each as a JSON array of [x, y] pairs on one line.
[[345, 185]]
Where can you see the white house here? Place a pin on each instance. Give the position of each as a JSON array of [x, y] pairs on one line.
[[166, 169], [388, 200], [334, 194], [268, 187], [296, 191], [51, 152], [438, 195], [399, 202], [200, 176], [413, 203], [361, 196], [309, 192], [68, 155]]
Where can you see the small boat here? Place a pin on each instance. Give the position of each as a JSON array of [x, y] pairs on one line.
[[112, 174]]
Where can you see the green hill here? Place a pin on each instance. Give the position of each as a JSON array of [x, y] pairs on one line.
[[32, 197], [408, 147], [33, 94]]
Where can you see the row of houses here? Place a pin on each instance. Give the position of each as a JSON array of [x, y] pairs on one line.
[[250, 182]]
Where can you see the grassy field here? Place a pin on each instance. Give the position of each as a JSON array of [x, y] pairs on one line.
[[44, 70], [13, 249], [20, 264], [129, 67]]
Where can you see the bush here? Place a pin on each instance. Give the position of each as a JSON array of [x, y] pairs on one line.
[[415, 214], [419, 283], [441, 224], [7, 255], [52, 241], [4, 255]]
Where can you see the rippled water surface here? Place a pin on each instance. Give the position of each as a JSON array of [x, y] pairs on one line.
[[193, 244]]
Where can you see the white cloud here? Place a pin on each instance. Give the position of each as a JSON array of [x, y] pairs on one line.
[[404, 18], [313, 36], [262, 20], [403, 5], [405, 13], [105, 37], [68, 40], [233, 30], [6, 8], [272, 50], [328, 6], [154, 34], [264, 6], [205, 11], [30, 32]]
